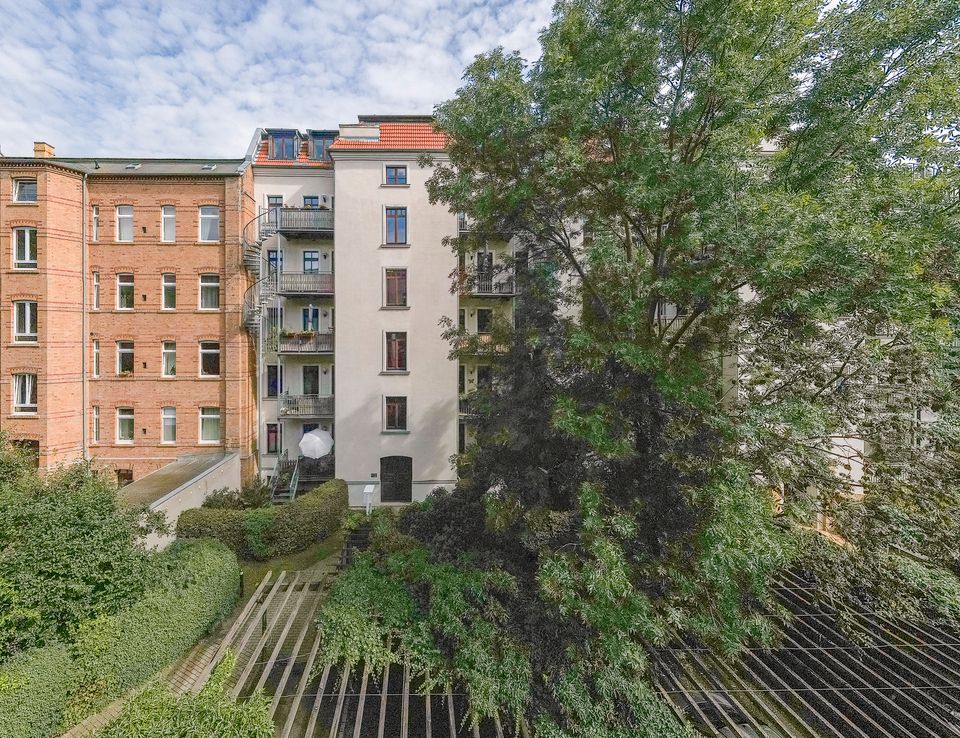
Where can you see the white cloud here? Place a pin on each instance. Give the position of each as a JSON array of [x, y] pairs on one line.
[[188, 78]]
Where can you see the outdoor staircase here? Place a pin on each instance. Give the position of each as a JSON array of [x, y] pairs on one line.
[[356, 541]]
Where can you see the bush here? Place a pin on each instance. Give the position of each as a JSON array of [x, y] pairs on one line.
[[254, 494], [35, 687], [115, 653], [158, 713], [266, 532]]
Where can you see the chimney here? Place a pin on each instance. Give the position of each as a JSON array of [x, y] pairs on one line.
[[42, 150]]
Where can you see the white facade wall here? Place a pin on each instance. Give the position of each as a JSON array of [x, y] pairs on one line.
[[430, 384]]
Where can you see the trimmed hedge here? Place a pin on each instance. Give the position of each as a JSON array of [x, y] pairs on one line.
[[35, 688], [47, 689], [266, 532]]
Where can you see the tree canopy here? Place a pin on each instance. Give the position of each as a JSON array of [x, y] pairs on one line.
[[739, 280]]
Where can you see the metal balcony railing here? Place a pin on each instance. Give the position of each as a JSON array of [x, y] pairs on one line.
[[486, 284], [305, 406], [305, 283], [309, 343], [309, 470], [298, 220]]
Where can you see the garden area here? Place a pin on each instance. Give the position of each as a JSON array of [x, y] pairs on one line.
[[88, 613]]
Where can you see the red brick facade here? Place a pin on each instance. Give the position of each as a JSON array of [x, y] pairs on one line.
[[69, 322]]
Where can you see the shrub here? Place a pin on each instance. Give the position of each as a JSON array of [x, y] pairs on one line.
[[35, 687], [254, 494], [266, 532], [158, 713], [118, 652]]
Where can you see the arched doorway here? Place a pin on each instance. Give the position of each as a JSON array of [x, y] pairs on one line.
[[396, 479]]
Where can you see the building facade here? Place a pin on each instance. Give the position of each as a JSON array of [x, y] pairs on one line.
[[122, 285]]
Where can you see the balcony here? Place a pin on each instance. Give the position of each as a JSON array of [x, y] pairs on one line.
[[307, 342], [305, 406], [309, 470], [305, 283], [486, 285], [299, 221]]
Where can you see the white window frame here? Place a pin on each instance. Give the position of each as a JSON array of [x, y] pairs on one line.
[[168, 217], [168, 280], [124, 217], [96, 357], [406, 271], [133, 356], [126, 413], [95, 433], [209, 351], [19, 182], [209, 278], [96, 291], [30, 380], [95, 227], [125, 283], [167, 414], [406, 415], [30, 310], [168, 348], [29, 243], [207, 217], [209, 413]]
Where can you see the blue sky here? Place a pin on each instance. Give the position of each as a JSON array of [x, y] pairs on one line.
[[173, 78]]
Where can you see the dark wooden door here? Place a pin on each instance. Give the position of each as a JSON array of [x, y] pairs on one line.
[[396, 479]]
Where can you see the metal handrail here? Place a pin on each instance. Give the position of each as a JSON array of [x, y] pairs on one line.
[[275, 479], [306, 406], [312, 283]]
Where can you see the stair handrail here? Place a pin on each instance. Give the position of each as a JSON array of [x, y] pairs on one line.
[[275, 479]]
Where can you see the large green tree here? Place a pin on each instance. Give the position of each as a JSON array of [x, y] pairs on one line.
[[740, 225]]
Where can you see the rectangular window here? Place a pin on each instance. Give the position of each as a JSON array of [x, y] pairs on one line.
[[311, 379], [273, 438], [25, 321], [462, 319], [321, 146], [461, 437], [168, 359], [210, 223], [24, 190], [209, 359], [274, 380], [396, 175], [209, 291], [484, 377], [96, 290], [209, 425], [124, 425], [484, 320], [96, 424], [124, 222], [395, 414], [168, 286], [396, 288], [124, 292], [274, 203], [311, 319], [168, 222], [396, 225], [25, 248], [96, 357], [95, 230], [311, 261], [274, 260], [396, 352], [282, 146], [168, 425], [124, 357], [25, 393], [462, 380], [311, 201]]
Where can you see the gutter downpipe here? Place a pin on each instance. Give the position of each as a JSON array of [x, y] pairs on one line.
[[84, 440]]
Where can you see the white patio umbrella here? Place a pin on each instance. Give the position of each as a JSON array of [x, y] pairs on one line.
[[316, 444]]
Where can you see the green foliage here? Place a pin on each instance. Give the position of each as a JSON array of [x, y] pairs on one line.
[[212, 713], [114, 653], [253, 494], [68, 552], [266, 532], [35, 688]]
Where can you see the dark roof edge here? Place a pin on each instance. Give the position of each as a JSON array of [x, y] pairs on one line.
[[395, 118]]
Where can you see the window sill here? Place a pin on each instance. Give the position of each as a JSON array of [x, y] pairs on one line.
[[394, 307], [168, 376], [123, 443], [25, 270], [209, 443], [395, 186], [25, 202], [208, 243], [215, 377], [394, 432], [394, 245], [207, 310], [121, 243], [34, 342], [388, 372], [25, 414]]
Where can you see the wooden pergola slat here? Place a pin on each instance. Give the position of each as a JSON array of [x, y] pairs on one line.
[[294, 654]]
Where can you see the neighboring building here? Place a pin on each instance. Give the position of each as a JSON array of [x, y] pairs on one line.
[[348, 318], [121, 284]]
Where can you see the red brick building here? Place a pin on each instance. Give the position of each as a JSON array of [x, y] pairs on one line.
[[121, 285]]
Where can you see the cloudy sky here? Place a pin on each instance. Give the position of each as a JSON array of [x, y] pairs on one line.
[[173, 78]]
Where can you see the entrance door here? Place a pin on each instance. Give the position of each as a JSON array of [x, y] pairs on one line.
[[396, 479]]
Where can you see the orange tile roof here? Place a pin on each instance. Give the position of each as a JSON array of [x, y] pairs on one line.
[[303, 157], [393, 135]]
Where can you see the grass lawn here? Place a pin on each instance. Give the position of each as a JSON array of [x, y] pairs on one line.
[[255, 571]]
